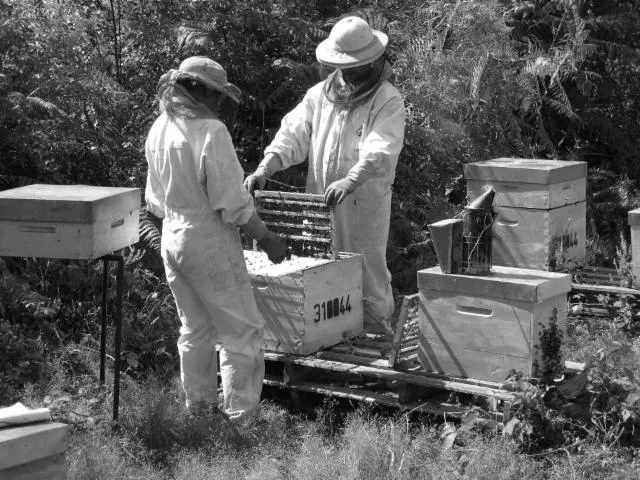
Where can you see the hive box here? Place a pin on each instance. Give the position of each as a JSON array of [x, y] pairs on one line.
[[634, 224], [33, 452], [540, 207], [307, 303], [67, 221], [488, 326]]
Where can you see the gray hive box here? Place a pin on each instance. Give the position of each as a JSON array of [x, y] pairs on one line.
[[67, 221], [540, 206], [307, 303], [486, 327], [34, 451]]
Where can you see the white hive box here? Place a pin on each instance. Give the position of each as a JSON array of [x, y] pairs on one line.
[[67, 221], [34, 452], [540, 206], [634, 224], [488, 326], [307, 303]]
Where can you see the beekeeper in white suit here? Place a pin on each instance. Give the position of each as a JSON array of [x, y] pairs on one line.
[[351, 128], [195, 184]]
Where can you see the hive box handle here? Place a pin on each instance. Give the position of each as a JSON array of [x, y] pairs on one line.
[[477, 311], [37, 229], [507, 223], [117, 223]]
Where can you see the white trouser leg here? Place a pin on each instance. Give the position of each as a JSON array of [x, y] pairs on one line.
[[242, 370], [196, 344], [240, 330]]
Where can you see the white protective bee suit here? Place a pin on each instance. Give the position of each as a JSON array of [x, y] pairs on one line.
[[361, 142], [195, 184]]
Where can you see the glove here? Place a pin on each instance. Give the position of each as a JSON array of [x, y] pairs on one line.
[[257, 179], [338, 191], [255, 227], [275, 247]]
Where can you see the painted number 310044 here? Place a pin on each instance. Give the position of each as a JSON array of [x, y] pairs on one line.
[[331, 308]]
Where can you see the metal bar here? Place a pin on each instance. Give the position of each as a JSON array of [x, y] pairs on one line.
[[103, 327], [118, 335]]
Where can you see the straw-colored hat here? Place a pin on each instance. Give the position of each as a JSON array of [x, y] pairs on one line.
[[210, 74], [351, 43]]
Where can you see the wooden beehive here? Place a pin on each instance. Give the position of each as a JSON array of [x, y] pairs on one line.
[[634, 224], [67, 221], [540, 207], [307, 303], [34, 452], [487, 327], [314, 299]]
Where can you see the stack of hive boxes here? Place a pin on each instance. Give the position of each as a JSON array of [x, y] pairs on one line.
[[514, 319]]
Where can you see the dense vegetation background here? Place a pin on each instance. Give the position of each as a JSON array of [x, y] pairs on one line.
[[480, 79]]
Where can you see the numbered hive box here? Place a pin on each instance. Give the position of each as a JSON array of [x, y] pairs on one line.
[[487, 327], [67, 221], [540, 207], [307, 303], [34, 452], [634, 224]]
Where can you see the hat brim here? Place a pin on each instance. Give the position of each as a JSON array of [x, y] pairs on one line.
[[228, 89], [327, 54]]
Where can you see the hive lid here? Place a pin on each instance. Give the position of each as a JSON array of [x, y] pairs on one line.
[[525, 170], [503, 282], [67, 203], [634, 217]]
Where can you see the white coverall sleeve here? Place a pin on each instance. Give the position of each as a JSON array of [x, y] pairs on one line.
[[292, 141], [154, 191], [224, 179], [380, 149]]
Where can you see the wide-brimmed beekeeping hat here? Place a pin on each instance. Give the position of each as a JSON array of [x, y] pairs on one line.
[[210, 74], [351, 43]]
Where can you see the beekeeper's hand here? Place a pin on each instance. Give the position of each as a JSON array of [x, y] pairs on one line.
[[338, 191], [274, 246], [257, 180]]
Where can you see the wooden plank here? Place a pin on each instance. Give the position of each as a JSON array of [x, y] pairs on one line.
[[49, 468], [355, 351], [391, 375], [28, 443], [260, 194], [306, 226], [387, 399], [307, 239], [305, 214], [583, 287]]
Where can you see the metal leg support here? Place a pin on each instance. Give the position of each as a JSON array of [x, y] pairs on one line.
[[117, 317]]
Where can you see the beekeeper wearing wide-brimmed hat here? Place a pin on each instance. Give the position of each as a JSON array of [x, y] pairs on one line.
[[194, 184], [351, 128]]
